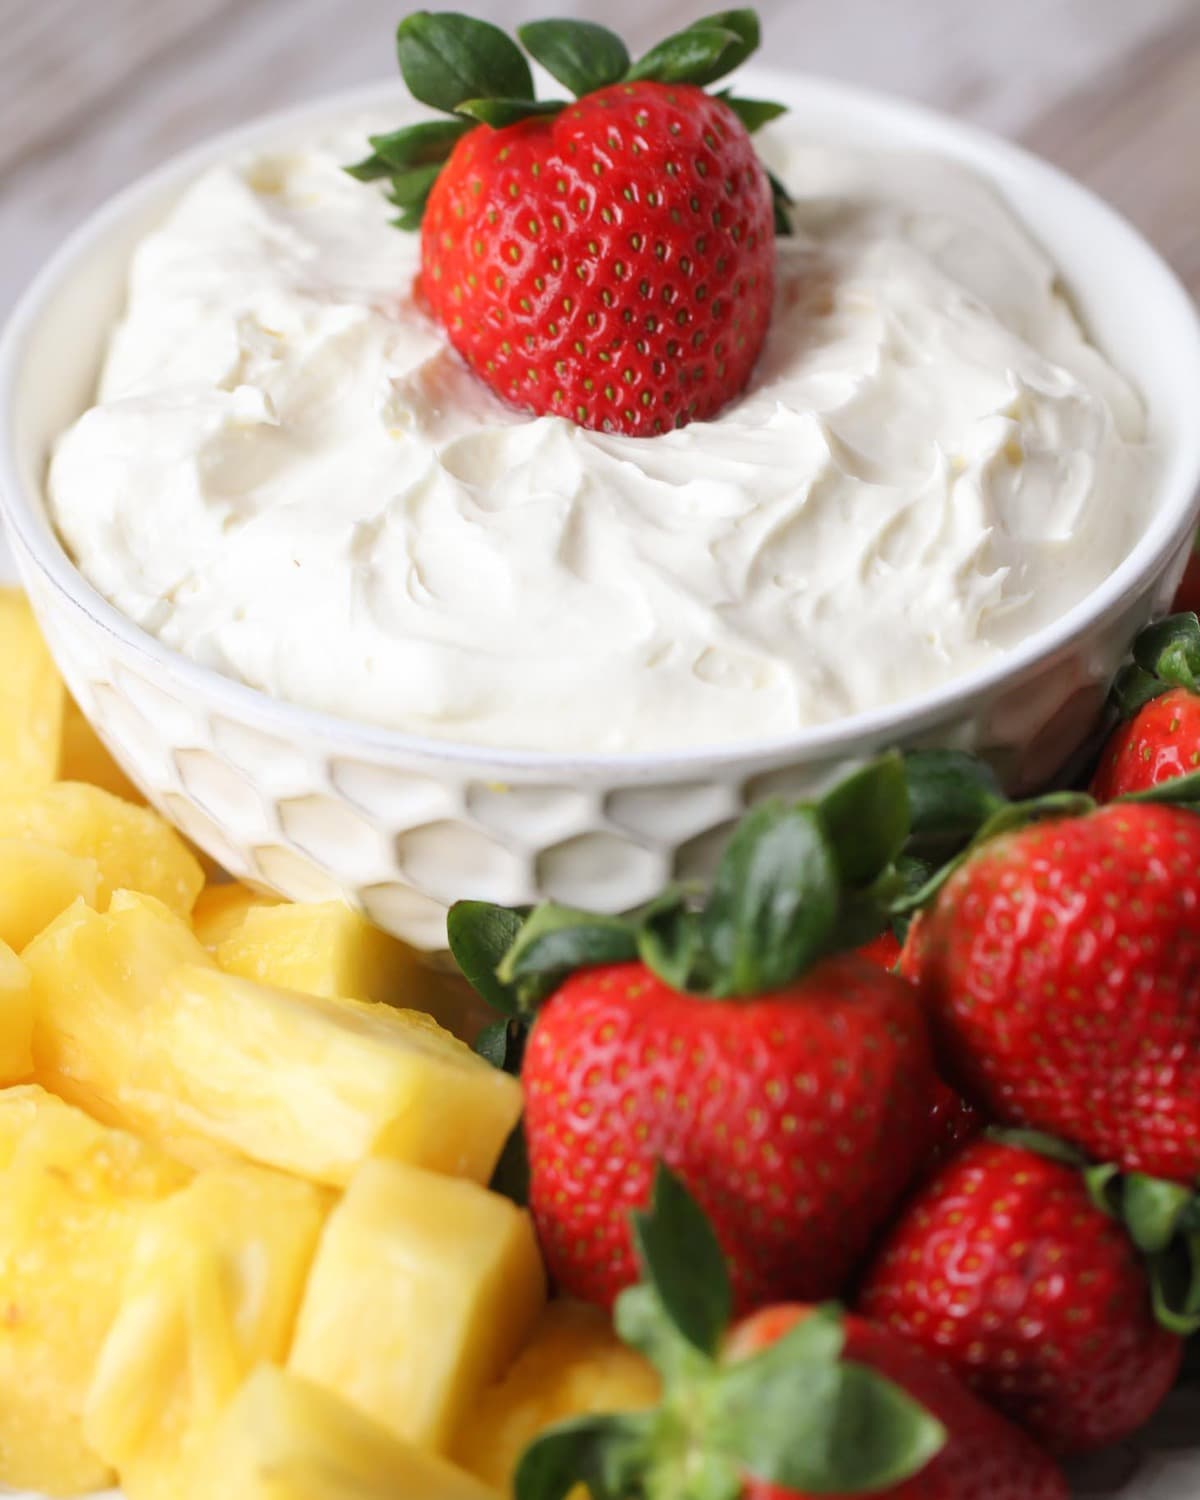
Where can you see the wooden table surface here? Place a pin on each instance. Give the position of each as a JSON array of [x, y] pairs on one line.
[[93, 92]]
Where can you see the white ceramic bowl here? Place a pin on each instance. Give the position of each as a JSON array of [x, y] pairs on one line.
[[311, 805]]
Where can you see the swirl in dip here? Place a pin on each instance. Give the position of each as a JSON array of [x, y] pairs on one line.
[[290, 477]]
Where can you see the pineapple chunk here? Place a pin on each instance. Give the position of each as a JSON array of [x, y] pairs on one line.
[[322, 949], [16, 1018], [285, 1439], [133, 847], [94, 979], [423, 1290], [37, 882], [132, 1019], [573, 1366], [84, 757], [31, 701], [73, 1196], [211, 1292], [219, 910]]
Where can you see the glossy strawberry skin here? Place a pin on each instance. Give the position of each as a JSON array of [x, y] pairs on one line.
[[1003, 1267], [883, 951], [613, 264], [1160, 742], [795, 1119], [1060, 968], [985, 1458]]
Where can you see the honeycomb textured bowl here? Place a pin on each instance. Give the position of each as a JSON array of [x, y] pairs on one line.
[[312, 806]]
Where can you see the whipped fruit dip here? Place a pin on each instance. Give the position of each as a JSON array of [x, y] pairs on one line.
[[289, 475]]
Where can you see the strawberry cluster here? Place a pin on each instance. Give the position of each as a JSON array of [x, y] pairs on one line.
[[744, 1101]]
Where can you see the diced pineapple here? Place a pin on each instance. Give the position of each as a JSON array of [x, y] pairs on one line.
[[31, 701], [211, 1292], [573, 1366], [422, 1291], [37, 882], [73, 1195], [95, 978], [84, 757], [16, 1018], [321, 949], [133, 847], [219, 910], [204, 1061], [285, 1439]]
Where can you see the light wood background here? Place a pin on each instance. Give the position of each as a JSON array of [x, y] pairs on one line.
[[93, 92]]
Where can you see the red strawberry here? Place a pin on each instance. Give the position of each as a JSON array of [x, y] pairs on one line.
[[794, 1402], [1003, 1267], [1160, 742], [1061, 970], [983, 1458], [614, 264], [796, 1118], [610, 260], [883, 951]]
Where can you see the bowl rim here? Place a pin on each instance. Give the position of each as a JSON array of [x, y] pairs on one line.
[[27, 517]]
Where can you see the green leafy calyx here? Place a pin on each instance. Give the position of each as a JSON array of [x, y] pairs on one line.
[[797, 881], [475, 73], [1166, 655], [796, 1414]]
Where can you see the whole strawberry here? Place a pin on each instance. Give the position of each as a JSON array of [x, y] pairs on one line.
[[789, 1084], [610, 260], [796, 1118], [1158, 697], [1060, 967], [1160, 742], [1003, 1267], [793, 1402]]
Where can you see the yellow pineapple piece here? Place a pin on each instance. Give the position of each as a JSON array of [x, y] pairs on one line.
[[95, 977], [423, 1289], [132, 846], [573, 1366], [286, 1439], [211, 1292], [16, 1018], [73, 1196], [37, 882], [321, 949], [84, 757], [219, 910], [31, 700], [132, 1018]]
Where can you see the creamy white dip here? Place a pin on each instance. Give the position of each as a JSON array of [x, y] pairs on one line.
[[290, 477]]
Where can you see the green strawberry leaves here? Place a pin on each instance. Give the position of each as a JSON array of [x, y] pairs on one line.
[[801, 1417], [608, 1455], [472, 71], [447, 58], [682, 1263], [580, 55], [1163, 1221], [774, 900], [1166, 654], [795, 1414], [796, 881]]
